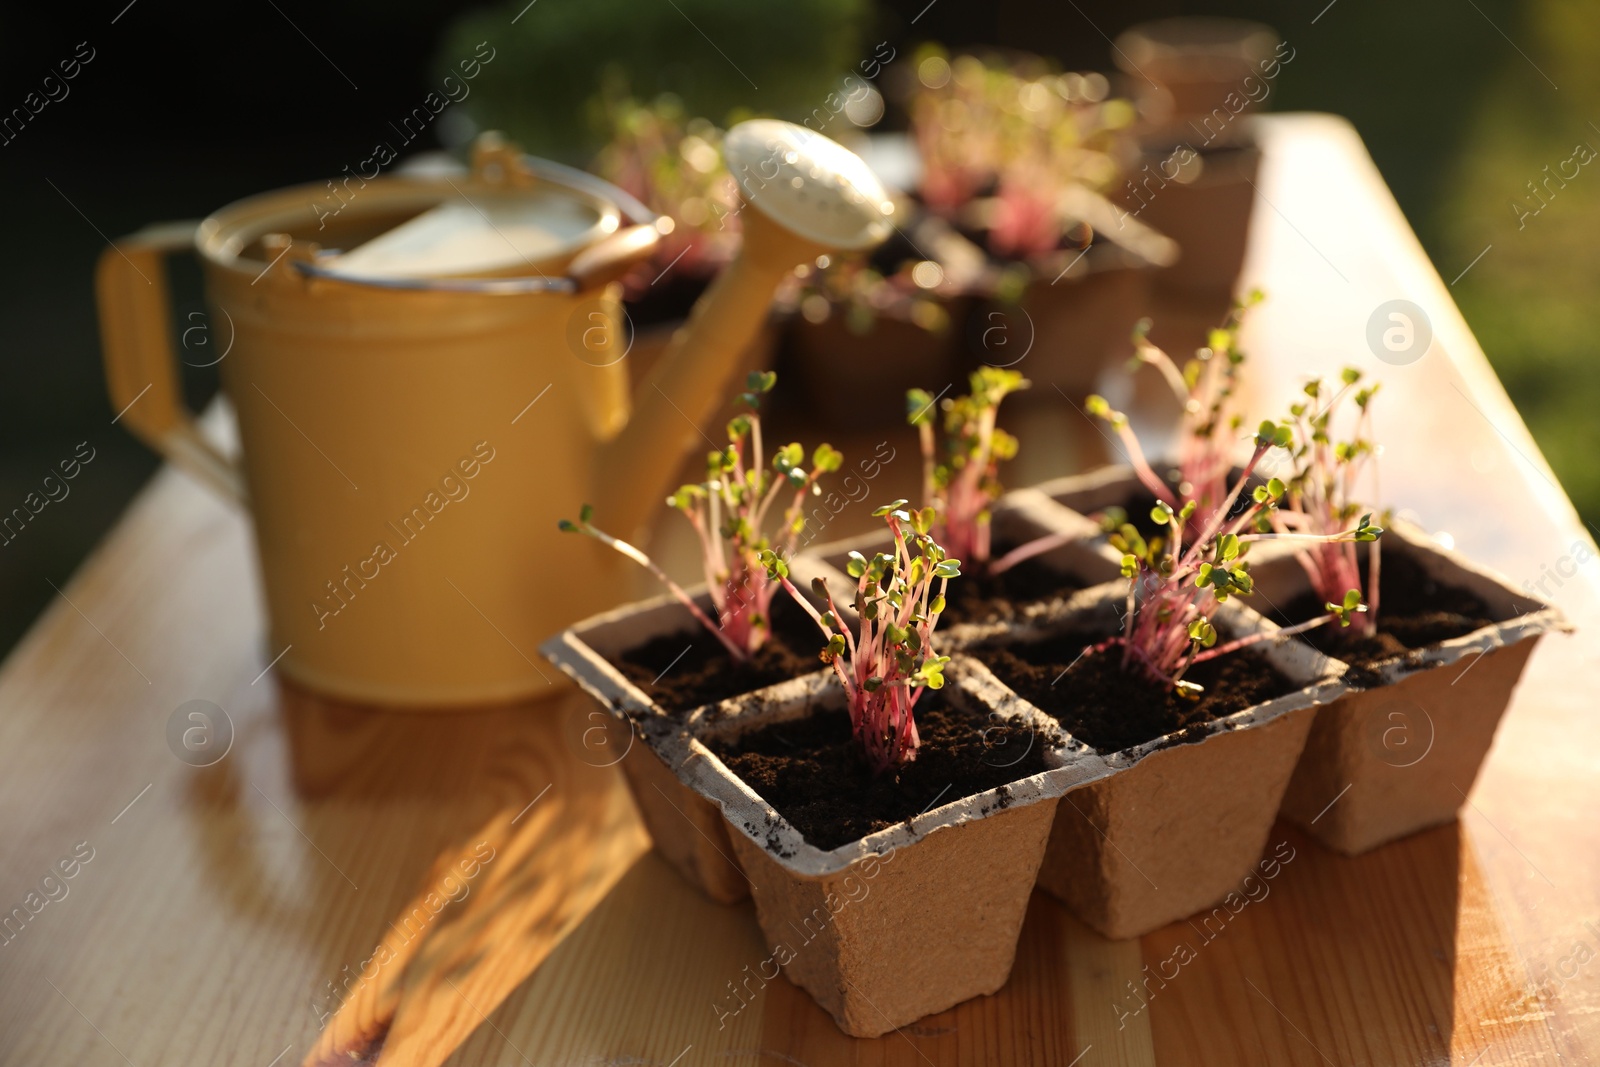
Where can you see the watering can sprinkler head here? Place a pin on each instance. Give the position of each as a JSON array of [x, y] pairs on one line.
[[808, 195], [811, 186]]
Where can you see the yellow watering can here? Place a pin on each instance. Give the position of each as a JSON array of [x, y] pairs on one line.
[[428, 372]]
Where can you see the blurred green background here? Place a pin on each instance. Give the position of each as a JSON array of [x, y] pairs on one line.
[[186, 107]]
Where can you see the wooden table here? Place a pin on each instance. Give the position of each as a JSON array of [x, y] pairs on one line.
[[219, 902]]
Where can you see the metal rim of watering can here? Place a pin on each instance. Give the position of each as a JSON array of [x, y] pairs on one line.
[[631, 207], [490, 286]]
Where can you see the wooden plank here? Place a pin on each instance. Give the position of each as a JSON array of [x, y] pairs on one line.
[[1396, 956], [1103, 978]]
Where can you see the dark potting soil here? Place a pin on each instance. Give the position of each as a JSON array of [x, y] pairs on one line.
[[978, 596], [812, 771], [684, 670], [1415, 611], [1111, 709]]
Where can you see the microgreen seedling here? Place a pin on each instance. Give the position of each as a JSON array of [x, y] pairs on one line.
[[962, 483], [1321, 507], [1176, 581], [1210, 424], [1015, 126], [889, 661], [731, 512]]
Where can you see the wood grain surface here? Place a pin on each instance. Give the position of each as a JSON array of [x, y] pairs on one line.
[[475, 888]]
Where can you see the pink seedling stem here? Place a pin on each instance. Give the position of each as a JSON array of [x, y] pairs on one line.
[[1174, 587], [1176, 582], [1209, 424], [960, 471], [1322, 501], [887, 664], [735, 649], [730, 512]]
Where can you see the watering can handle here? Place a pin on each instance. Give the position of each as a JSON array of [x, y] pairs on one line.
[[141, 373]]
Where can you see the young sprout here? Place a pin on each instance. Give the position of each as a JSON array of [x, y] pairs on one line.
[[1321, 506], [731, 512], [1209, 426], [890, 660], [960, 487], [1017, 126], [1177, 581]]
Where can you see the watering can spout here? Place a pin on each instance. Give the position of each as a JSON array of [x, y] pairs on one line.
[[808, 196]]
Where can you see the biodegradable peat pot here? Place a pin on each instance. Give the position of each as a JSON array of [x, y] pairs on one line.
[[1193, 76], [688, 831], [1196, 81], [1400, 750], [1114, 485], [1068, 327], [1075, 325], [1206, 207], [1094, 490], [1019, 517], [891, 355], [1181, 819], [914, 918]]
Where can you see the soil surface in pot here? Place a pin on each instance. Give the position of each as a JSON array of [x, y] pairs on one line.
[[977, 596], [1415, 611], [1111, 709], [812, 772], [684, 670]]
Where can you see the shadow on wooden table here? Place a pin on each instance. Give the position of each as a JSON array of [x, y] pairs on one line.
[[519, 826], [1394, 956], [1335, 957]]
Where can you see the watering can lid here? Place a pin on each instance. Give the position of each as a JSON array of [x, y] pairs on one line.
[[484, 233], [511, 217]]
